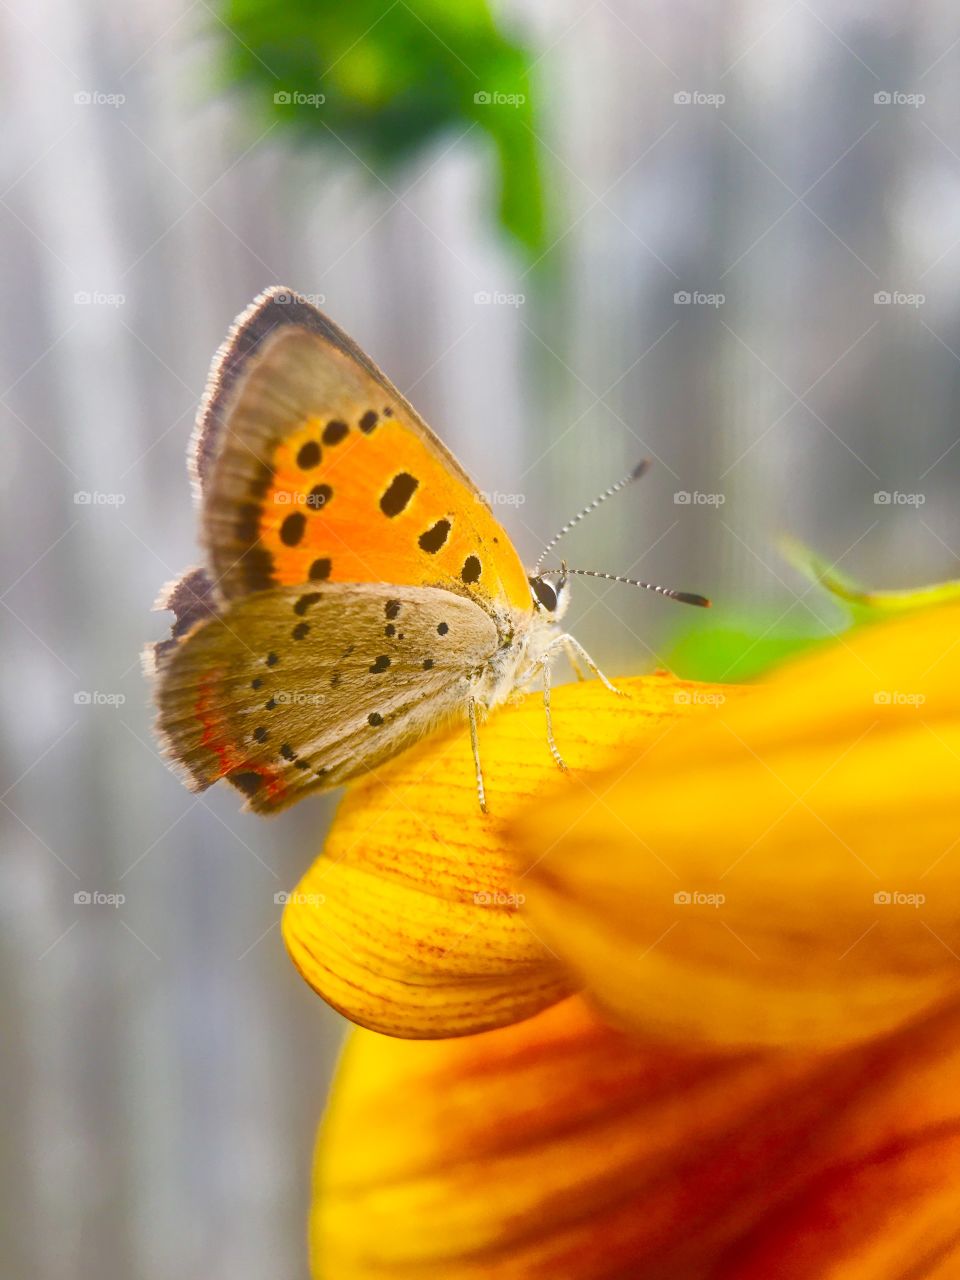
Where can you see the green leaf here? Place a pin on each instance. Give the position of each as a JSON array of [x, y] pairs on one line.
[[393, 79], [865, 605], [735, 649], [739, 648]]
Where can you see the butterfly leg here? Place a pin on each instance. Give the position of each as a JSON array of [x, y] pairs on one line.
[[475, 744], [573, 659], [575, 650], [574, 646], [551, 742]]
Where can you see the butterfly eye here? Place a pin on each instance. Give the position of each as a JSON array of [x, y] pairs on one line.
[[544, 593]]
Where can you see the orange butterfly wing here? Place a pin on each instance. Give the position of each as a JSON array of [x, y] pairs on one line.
[[313, 467]]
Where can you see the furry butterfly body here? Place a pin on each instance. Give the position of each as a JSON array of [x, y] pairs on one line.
[[358, 590]]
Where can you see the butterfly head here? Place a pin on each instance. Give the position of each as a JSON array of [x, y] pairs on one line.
[[550, 598]]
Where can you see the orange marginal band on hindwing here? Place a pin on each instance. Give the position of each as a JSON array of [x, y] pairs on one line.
[[313, 467]]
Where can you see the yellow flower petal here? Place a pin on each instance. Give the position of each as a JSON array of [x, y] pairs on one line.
[[562, 1148], [788, 871], [411, 922]]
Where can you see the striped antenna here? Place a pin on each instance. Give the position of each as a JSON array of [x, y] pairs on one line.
[[685, 597], [628, 479]]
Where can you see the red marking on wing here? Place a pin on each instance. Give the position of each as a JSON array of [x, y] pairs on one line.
[[231, 759]]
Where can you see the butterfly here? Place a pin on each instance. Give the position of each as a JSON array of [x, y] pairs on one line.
[[357, 590]]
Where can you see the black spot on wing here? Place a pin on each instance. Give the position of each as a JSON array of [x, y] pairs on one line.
[[319, 496], [334, 431], [320, 569], [369, 421], [397, 495], [434, 537], [379, 664], [309, 456], [291, 531], [248, 783], [305, 601], [471, 569]]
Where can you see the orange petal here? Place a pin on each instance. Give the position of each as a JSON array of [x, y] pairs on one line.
[[507, 1154], [893, 1213], [411, 921], [560, 1147], [881, 1197], [787, 871]]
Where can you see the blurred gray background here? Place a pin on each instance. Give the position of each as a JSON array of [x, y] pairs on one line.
[[163, 1064]]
